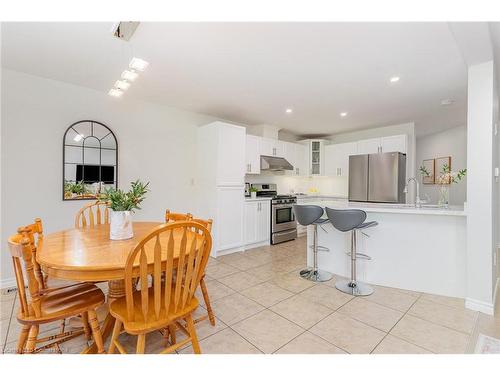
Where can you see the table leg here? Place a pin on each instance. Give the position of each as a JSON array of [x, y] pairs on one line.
[[116, 289]]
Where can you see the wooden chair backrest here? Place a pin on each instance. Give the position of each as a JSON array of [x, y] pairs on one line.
[[87, 216], [206, 223], [187, 247], [23, 245], [175, 216]]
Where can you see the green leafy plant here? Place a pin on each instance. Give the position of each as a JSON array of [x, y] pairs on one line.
[[253, 190], [118, 200], [78, 188]]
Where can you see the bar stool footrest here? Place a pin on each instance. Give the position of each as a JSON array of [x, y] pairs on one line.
[[320, 248], [360, 256]]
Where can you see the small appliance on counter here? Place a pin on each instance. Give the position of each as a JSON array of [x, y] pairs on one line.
[[265, 190], [247, 190]]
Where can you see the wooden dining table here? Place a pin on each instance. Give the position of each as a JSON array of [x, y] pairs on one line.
[[88, 254]]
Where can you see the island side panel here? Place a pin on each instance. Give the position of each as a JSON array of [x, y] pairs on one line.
[[424, 253]]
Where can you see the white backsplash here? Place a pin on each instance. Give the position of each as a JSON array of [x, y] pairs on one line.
[[334, 186]]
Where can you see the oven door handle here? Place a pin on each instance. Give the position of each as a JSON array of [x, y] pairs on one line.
[[282, 206]]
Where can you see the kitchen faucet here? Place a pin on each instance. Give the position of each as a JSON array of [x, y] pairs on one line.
[[418, 201]]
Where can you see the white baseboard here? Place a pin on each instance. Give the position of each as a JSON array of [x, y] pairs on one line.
[[495, 293], [228, 251], [258, 244], [476, 305], [8, 283]]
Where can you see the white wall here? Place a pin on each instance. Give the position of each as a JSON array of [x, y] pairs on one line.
[[451, 142], [481, 190], [156, 143]]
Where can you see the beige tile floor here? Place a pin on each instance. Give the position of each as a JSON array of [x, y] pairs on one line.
[[262, 306]]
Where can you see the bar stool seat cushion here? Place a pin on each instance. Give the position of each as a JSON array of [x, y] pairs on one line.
[[308, 214], [367, 224]]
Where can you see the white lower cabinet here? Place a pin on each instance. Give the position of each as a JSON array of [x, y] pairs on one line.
[[257, 222], [229, 224]]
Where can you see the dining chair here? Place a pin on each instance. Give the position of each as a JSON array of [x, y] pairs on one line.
[[178, 253], [47, 305], [97, 217], [203, 286], [172, 217], [175, 216]]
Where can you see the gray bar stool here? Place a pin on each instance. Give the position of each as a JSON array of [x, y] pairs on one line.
[[345, 221], [311, 215]]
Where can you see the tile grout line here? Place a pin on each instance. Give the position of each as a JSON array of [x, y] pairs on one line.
[[474, 334], [438, 324], [388, 333], [10, 322]]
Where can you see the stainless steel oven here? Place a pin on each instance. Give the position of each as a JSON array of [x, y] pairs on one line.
[[283, 224]]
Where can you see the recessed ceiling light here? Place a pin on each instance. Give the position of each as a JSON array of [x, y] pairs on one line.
[[394, 79], [129, 75], [343, 114], [138, 64], [78, 137], [122, 85], [447, 101], [115, 93], [289, 110]]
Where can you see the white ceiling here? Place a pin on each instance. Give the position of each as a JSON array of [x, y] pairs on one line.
[[252, 72]]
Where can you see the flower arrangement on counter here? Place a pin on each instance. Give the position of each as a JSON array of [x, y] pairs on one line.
[[444, 179], [447, 176]]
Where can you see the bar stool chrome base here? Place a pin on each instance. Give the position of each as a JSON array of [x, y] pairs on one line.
[[315, 275], [354, 288]]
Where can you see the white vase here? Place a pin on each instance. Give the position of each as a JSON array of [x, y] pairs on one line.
[[253, 194], [120, 227]]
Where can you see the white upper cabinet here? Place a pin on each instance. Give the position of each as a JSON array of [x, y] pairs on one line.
[[291, 156], [252, 154], [337, 158], [231, 155], [369, 146], [272, 147], [316, 156], [394, 143], [300, 168]]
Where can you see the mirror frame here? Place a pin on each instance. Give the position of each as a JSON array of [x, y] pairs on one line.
[[64, 157]]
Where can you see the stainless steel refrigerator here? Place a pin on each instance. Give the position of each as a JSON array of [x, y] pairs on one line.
[[377, 177]]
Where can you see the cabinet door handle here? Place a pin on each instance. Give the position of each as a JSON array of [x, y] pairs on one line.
[[249, 167]]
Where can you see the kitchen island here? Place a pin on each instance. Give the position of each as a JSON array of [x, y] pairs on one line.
[[420, 249]]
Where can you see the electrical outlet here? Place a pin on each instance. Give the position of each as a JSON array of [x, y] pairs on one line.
[[8, 291]]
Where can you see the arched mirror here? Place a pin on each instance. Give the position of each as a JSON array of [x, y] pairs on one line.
[[90, 160]]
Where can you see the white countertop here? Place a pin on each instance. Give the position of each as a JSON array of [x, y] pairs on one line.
[[319, 196], [393, 208], [258, 199]]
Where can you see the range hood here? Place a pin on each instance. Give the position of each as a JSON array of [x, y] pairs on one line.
[[272, 163]]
